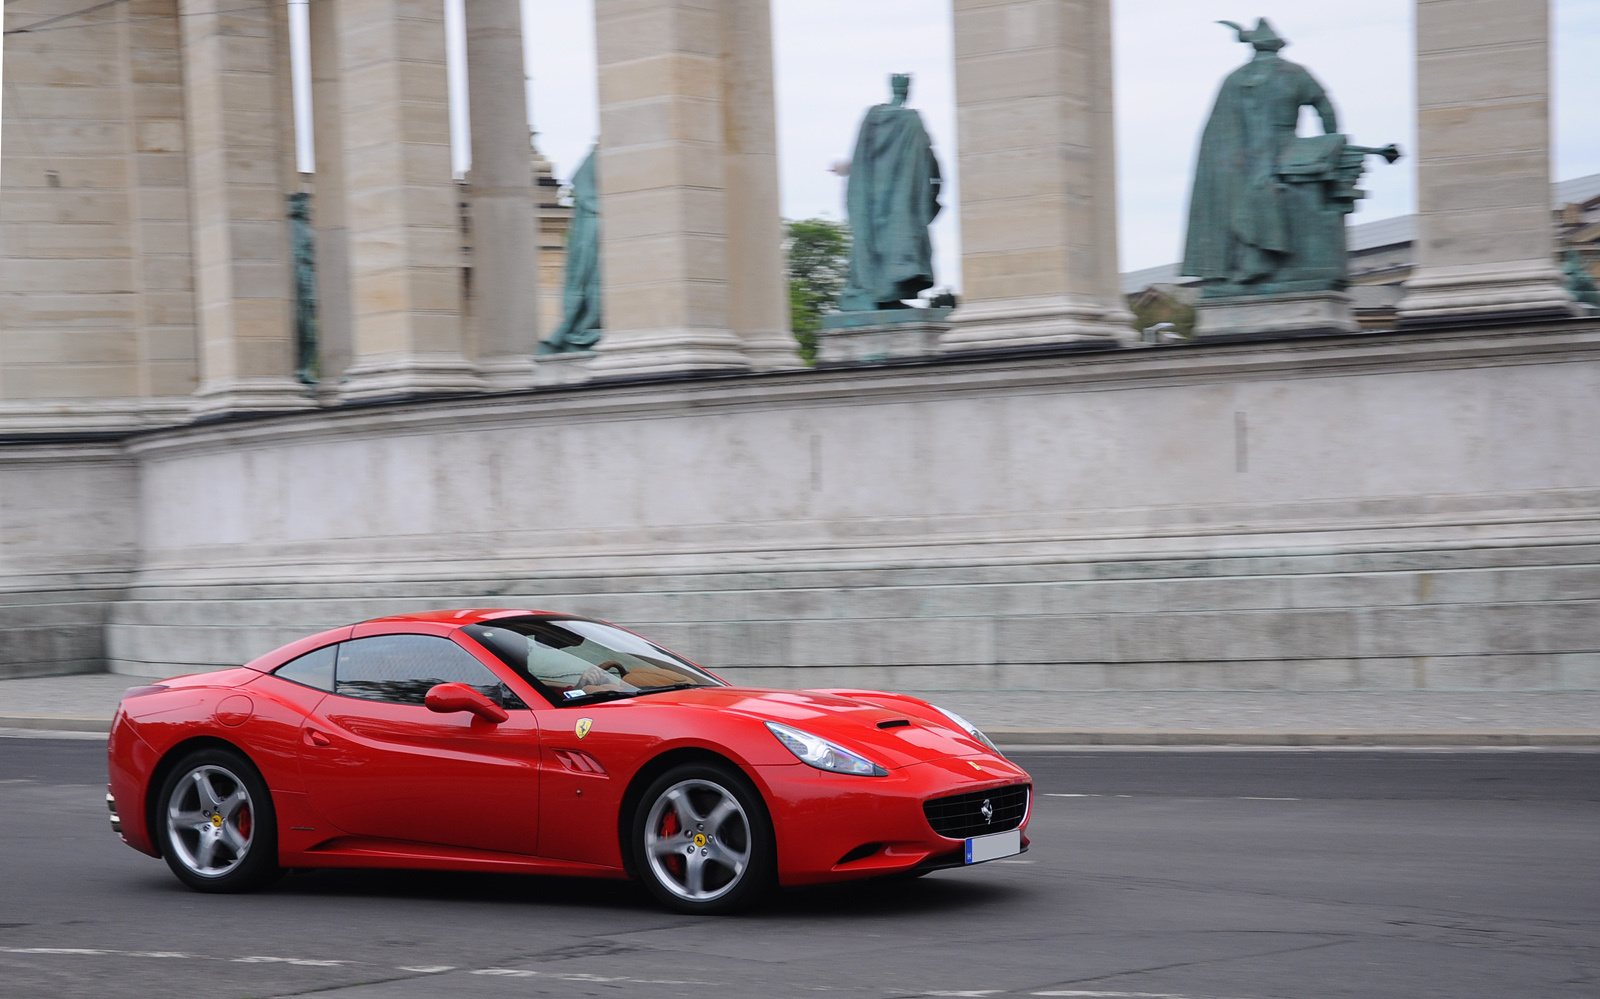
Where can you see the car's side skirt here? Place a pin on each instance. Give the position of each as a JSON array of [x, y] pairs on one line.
[[361, 851]]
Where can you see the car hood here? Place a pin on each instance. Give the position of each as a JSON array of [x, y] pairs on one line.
[[917, 732]]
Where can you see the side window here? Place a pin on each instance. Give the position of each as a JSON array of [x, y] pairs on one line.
[[401, 669], [314, 669]]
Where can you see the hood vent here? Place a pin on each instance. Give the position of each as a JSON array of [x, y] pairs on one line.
[[894, 723]]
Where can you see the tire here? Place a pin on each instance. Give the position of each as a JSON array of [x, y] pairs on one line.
[[702, 840], [215, 823]]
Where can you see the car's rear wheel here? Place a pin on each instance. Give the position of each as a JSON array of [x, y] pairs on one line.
[[215, 822], [702, 840]]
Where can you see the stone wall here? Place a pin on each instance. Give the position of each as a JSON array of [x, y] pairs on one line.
[[68, 517], [1378, 512]]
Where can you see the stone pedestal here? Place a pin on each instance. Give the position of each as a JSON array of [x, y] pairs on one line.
[[557, 370], [1256, 315], [1451, 295], [1038, 174], [1036, 321], [874, 337], [1484, 245]]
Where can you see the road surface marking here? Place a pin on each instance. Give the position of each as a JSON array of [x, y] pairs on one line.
[[91, 951], [432, 969], [1252, 797], [301, 962], [1056, 794], [1111, 995], [579, 977]]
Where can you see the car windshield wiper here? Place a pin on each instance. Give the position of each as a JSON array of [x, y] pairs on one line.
[[670, 686], [601, 695]]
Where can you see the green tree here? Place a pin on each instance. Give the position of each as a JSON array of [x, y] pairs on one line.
[[819, 265]]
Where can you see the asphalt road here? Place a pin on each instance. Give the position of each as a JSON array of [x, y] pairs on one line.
[[1192, 874]]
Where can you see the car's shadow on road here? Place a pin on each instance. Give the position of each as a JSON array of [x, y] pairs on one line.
[[871, 899], [890, 897]]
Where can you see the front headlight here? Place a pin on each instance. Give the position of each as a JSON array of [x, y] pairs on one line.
[[969, 728], [822, 754]]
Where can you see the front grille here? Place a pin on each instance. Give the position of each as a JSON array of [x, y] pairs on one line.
[[961, 815]]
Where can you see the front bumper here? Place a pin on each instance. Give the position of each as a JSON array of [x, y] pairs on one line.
[[838, 827]]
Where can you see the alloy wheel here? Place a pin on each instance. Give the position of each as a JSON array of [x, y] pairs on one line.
[[211, 821], [697, 840]]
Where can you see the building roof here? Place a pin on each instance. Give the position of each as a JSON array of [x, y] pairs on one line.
[[1577, 190], [1382, 232]]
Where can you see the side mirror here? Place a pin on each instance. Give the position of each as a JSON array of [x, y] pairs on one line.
[[447, 697]]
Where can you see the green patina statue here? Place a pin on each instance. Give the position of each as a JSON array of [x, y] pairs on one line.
[[1267, 212], [580, 295], [302, 241], [893, 196], [1579, 281]]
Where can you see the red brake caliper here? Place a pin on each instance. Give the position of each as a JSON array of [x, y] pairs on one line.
[[669, 829]]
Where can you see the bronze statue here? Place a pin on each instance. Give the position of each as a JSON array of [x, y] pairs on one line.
[[580, 295], [1267, 211], [893, 195], [302, 242]]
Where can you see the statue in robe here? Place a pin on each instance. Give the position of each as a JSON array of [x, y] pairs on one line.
[[580, 295], [892, 197], [1266, 215], [302, 243]]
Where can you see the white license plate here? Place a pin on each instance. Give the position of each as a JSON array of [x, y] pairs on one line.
[[1006, 844]]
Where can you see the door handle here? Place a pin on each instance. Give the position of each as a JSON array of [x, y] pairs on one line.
[[315, 738]]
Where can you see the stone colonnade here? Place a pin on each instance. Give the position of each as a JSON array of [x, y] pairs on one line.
[[693, 276]]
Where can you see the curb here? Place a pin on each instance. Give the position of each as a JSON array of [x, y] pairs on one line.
[[57, 723], [1022, 738]]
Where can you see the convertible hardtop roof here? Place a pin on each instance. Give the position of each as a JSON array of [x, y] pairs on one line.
[[463, 617]]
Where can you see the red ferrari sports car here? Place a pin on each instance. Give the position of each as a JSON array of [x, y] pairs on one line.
[[523, 741]]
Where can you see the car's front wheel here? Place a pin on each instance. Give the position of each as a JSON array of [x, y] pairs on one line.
[[702, 839], [215, 822]]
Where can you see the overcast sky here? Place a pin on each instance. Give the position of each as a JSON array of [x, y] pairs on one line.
[[834, 58]]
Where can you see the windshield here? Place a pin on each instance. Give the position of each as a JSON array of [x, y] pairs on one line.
[[574, 661]]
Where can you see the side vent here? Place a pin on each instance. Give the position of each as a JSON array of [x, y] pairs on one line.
[[579, 762]]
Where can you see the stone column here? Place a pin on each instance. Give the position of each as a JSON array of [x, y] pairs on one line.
[[758, 287], [244, 293], [405, 278], [159, 209], [505, 247], [1038, 174], [663, 200], [328, 200], [1484, 241]]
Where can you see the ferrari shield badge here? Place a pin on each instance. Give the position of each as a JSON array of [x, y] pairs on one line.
[[583, 726]]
